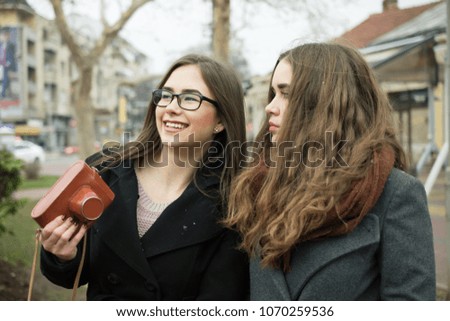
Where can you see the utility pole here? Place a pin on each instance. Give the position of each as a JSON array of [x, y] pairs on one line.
[[447, 136]]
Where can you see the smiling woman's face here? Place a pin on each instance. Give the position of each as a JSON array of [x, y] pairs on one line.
[[177, 126]]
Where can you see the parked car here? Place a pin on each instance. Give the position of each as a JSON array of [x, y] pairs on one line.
[[28, 152]]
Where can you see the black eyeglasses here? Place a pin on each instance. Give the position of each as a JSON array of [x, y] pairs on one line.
[[187, 101]]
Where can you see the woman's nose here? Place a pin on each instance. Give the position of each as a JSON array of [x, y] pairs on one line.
[[173, 107], [272, 108]]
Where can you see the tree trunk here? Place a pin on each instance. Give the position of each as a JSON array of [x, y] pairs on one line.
[[85, 114], [84, 111], [221, 29]]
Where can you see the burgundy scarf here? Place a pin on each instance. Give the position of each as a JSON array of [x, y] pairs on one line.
[[350, 211]]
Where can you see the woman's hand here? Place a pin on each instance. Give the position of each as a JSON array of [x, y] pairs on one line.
[[60, 237]]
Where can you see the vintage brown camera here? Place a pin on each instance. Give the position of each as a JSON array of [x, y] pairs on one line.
[[80, 193]]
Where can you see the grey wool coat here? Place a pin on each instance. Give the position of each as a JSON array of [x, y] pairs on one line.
[[388, 256]]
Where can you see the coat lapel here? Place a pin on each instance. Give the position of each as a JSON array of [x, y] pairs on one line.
[[190, 219], [307, 260], [267, 283], [312, 256], [117, 226]]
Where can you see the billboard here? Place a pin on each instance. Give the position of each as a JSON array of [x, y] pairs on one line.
[[10, 102]]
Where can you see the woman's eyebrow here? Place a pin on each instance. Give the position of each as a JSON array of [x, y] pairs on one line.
[[283, 86], [280, 86], [191, 91], [183, 91]]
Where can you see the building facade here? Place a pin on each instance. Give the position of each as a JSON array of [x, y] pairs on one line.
[[39, 78], [408, 58]]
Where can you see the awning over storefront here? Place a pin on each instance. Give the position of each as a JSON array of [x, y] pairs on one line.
[[404, 60], [25, 130]]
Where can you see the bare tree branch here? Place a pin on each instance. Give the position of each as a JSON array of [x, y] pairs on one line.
[[320, 14], [64, 29], [111, 32], [317, 13], [85, 61], [82, 59], [103, 14]]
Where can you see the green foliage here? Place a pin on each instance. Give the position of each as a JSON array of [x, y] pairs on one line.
[[17, 249], [44, 181], [10, 181]]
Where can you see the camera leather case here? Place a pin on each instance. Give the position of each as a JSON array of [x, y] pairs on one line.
[[80, 193]]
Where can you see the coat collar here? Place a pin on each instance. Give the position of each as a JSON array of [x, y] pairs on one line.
[[205, 179], [308, 259], [190, 219]]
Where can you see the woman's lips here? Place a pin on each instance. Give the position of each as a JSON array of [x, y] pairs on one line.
[[273, 127], [173, 126]]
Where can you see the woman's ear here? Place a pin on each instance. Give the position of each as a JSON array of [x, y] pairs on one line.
[[218, 128]]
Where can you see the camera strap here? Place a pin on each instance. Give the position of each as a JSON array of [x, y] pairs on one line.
[[34, 266], [75, 185]]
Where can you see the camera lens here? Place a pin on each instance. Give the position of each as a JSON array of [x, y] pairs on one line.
[[86, 204]]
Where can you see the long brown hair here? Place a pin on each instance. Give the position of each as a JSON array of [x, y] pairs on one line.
[[226, 87], [336, 118]]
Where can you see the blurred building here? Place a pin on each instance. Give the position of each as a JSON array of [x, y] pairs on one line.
[[406, 48], [36, 95], [255, 101], [135, 95]]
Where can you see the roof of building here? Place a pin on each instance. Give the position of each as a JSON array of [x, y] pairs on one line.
[[381, 23], [16, 4], [432, 20]]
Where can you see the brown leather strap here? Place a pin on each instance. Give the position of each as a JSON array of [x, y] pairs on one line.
[[80, 268], [33, 267]]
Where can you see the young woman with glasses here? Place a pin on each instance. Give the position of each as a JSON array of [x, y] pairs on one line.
[[327, 211], [161, 239]]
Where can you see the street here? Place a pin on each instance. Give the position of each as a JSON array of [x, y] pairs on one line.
[[57, 164]]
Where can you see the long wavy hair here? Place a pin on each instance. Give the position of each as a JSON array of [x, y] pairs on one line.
[[226, 87], [336, 118]]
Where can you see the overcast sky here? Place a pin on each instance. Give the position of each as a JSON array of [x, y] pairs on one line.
[[259, 32]]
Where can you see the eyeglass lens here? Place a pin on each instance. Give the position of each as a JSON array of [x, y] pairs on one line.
[[163, 98]]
